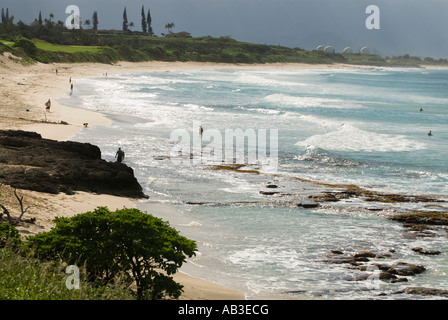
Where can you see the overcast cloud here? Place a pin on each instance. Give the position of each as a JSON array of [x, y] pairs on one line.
[[416, 27]]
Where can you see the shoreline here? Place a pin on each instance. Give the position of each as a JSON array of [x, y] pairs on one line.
[[24, 90]]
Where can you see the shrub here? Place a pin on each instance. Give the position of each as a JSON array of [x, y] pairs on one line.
[[126, 241], [9, 235], [27, 45]]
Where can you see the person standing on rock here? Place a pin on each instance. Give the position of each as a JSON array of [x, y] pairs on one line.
[[119, 155]]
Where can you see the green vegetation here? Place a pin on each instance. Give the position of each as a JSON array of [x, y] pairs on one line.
[[56, 43], [53, 42], [26, 278], [115, 251], [43, 45]]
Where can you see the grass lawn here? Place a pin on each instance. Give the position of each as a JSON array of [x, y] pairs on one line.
[[7, 43], [43, 45]]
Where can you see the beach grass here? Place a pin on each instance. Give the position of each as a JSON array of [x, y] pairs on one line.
[[26, 278]]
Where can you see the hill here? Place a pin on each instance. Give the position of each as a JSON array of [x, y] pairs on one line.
[[54, 43]]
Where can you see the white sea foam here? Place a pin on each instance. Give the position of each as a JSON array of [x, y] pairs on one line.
[[263, 80], [274, 248], [263, 110], [306, 102], [350, 138]]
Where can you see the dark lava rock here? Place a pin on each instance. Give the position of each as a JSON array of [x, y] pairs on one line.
[[325, 197], [422, 217], [365, 254], [308, 205], [406, 269], [425, 251], [383, 276], [27, 161], [425, 291]]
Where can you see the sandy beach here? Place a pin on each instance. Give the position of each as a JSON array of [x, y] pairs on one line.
[[23, 92]]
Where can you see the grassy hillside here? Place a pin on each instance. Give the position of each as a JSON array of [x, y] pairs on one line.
[[140, 48], [61, 45]]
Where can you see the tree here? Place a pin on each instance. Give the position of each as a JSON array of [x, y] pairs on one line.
[[11, 220], [169, 27], [40, 19], [125, 242], [6, 19], [144, 23], [95, 20], [125, 20], [149, 22]]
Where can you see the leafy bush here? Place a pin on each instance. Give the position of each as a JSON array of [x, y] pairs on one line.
[[9, 235], [126, 241], [155, 52], [27, 45]]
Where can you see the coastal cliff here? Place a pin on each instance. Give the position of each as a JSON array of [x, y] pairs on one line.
[[27, 161]]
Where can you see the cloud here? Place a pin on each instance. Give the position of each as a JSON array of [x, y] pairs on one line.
[[407, 26]]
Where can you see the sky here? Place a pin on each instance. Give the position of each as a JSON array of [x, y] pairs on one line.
[[415, 27]]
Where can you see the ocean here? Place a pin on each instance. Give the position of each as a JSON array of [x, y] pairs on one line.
[[304, 132]]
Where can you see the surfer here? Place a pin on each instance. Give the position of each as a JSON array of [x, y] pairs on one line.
[[429, 133]]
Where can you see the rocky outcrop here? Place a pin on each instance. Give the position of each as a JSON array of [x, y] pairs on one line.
[[27, 161], [422, 291], [392, 273]]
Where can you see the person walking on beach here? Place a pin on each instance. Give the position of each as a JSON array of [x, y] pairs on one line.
[[48, 105], [119, 155]]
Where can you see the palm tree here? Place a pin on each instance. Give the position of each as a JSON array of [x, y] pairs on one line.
[[169, 27]]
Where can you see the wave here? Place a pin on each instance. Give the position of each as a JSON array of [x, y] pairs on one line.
[[350, 138], [259, 80], [261, 110], [313, 154], [307, 102]]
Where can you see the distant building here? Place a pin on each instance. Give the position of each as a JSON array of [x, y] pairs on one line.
[[329, 49], [348, 50], [320, 48], [364, 50]]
